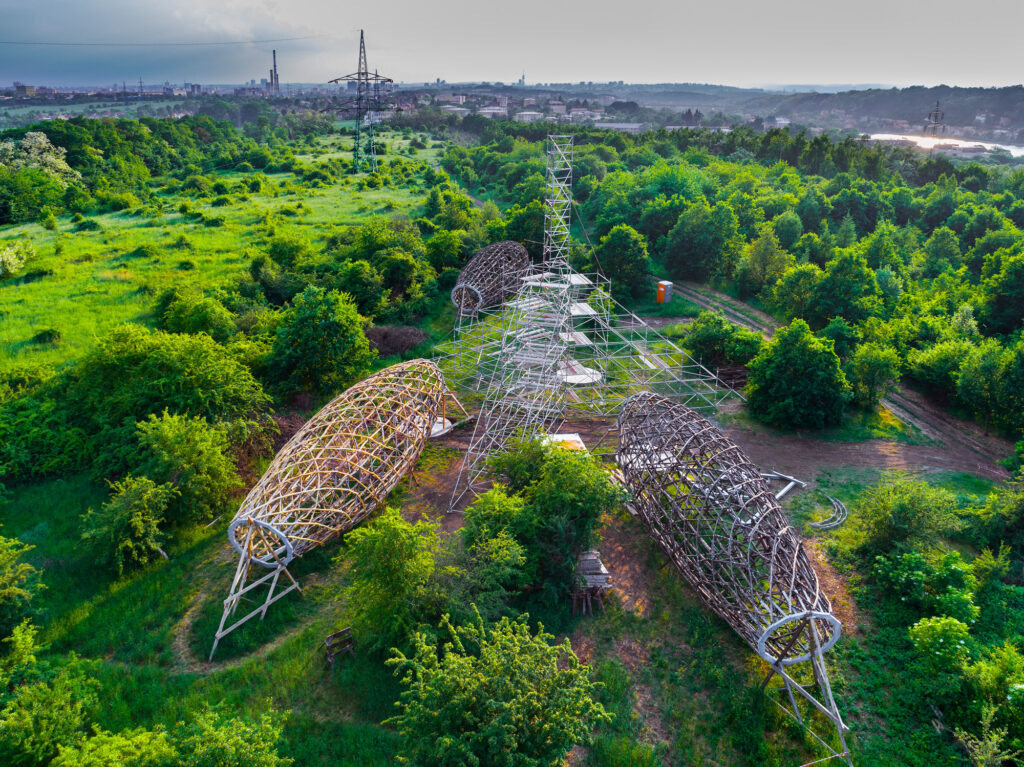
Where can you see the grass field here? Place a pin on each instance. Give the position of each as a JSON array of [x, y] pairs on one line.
[[83, 283]]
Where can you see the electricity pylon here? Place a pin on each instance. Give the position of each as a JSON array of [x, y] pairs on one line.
[[371, 97]]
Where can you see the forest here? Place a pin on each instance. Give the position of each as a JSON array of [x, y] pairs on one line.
[[178, 296]]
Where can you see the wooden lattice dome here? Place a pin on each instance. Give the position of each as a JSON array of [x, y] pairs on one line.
[[341, 465], [715, 517], [489, 277]]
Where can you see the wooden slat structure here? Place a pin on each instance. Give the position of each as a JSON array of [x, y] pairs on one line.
[[715, 517], [489, 277], [334, 473]]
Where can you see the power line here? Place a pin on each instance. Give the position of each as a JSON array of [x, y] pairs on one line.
[[153, 45]]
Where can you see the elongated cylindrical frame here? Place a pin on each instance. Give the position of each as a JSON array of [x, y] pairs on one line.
[[715, 517], [341, 465], [489, 277]]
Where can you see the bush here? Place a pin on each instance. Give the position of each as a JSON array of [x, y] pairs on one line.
[[715, 341], [13, 255], [41, 717], [320, 344], [86, 416], [192, 456], [795, 381], [125, 533], [390, 562], [134, 748], [88, 225], [215, 740], [493, 696], [941, 643], [192, 313], [19, 584], [904, 514], [47, 336]]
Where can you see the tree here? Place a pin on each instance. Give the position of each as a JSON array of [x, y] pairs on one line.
[[622, 255], [125, 533], [216, 740], [19, 584], [977, 384], [873, 372], [788, 229], [703, 242], [445, 249], [320, 344], [193, 457], [794, 292], [796, 380], [133, 748], [941, 252], [389, 564], [848, 290], [501, 697], [1004, 309], [763, 262]]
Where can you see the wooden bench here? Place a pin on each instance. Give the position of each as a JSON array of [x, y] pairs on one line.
[[338, 643]]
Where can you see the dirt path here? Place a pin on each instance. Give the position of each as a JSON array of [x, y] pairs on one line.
[[964, 443]]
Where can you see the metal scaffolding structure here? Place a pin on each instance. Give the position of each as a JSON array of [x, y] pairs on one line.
[[371, 97], [335, 472], [560, 344], [715, 517]]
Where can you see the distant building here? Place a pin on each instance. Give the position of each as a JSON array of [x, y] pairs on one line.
[[451, 109], [528, 117], [25, 91], [493, 112], [556, 107], [626, 127]]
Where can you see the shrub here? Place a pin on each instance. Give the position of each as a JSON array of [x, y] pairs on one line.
[[41, 717], [902, 514], [715, 341], [125, 533], [191, 455], [19, 584], [493, 696], [88, 225], [215, 740], [13, 255], [320, 344], [193, 313], [133, 748], [390, 562], [47, 336], [941, 643]]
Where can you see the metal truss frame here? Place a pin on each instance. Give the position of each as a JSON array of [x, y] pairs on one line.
[[371, 96]]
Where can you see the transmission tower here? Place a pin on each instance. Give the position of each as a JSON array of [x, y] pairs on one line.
[[934, 121], [371, 97]]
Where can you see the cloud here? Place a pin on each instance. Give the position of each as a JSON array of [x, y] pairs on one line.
[[729, 41]]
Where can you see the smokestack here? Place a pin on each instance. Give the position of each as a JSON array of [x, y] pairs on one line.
[[277, 82]]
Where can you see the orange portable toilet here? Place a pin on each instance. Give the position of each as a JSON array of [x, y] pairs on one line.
[[664, 292]]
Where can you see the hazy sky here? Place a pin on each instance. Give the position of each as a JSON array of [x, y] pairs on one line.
[[735, 42]]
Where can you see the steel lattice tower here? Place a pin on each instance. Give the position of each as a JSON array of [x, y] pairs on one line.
[[371, 96], [934, 122]]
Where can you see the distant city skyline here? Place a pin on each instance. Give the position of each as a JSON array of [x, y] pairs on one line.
[[731, 42]]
